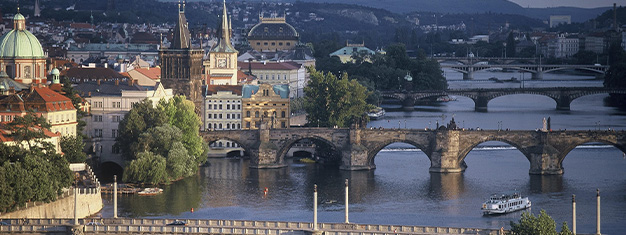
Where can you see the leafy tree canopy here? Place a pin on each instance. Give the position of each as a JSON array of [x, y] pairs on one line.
[[542, 224]]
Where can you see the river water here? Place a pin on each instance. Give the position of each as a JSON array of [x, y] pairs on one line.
[[402, 191]]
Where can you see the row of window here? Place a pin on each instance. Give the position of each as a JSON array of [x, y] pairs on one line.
[[265, 114], [228, 101], [99, 104], [228, 106], [267, 77], [228, 116], [61, 118], [99, 133], [220, 126], [265, 104], [98, 118], [273, 43]]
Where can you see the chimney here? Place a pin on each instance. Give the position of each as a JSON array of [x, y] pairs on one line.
[[98, 82], [89, 94], [117, 82]]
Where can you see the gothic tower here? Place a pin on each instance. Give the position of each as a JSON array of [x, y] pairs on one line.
[[181, 65], [223, 56]]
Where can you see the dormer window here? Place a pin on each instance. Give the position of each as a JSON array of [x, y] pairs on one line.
[[280, 29]]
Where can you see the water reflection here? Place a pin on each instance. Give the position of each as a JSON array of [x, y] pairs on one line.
[[446, 186], [546, 183]]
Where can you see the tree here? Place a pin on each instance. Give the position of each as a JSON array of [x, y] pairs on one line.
[[510, 45], [334, 102], [616, 75], [180, 113], [72, 148], [542, 224], [29, 129], [138, 120], [147, 168]]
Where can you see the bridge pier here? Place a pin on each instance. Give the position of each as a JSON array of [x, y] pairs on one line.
[[480, 104], [544, 160], [564, 102], [469, 75], [445, 155], [537, 75], [408, 104]]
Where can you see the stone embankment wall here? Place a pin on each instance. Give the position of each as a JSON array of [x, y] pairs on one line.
[[89, 201]]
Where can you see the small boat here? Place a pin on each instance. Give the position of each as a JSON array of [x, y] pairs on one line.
[[376, 113], [446, 98], [150, 191], [501, 203]]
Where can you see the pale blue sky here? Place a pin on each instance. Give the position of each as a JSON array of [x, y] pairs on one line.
[[572, 3]]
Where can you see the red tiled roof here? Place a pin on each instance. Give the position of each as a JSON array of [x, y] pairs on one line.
[[152, 73], [5, 132], [47, 99]]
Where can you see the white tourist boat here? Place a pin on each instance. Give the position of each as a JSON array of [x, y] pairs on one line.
[[500, 203], [376, 113]]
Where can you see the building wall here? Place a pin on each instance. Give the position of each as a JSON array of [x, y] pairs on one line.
[[63, 122], [222, 63], [106, 113], [25, 70], [265, 106], [181, 70]]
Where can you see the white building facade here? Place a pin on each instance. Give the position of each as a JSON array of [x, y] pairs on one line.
[[222, 111]]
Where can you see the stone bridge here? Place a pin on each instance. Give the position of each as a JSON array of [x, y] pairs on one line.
[[481, 97], [537, 70], [445, 148]]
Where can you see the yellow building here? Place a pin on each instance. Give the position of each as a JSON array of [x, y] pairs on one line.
[[265, 103], [222, 65]]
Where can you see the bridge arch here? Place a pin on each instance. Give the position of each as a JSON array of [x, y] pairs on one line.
[[110, 168], [465, 151], [571, 146], [241, 144], [374, 150], [284, 148], [592, 69]]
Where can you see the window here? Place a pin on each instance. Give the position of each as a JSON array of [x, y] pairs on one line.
[[220, 128], [280, 43], [273, 44], [265, 43], [248, 125], [228, 106], [256, 114], [209, 126], [115, 149], [228, 116], [238, 106], [117, 118], [116, 104], [258, 43], [97, 133], [283, 125], [238, 125], [210, 116], [282, 114], [247, 113], [220, 106], [220, 117], [114, 133], [288, 44], [210, 106], [97, 118], [27, 72]]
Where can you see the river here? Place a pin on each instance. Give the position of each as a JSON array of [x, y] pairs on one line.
[[402, 191]]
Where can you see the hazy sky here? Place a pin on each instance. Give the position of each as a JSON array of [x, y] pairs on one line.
[[573, 3]]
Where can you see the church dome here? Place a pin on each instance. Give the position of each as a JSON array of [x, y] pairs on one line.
[[273, 29], [55, 71], [19, 42]]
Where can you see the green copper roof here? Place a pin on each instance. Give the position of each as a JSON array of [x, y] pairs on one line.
[[20, 44], [19, 16]]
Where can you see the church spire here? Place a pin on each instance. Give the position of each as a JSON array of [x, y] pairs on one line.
[[181, 31], [224, 44]]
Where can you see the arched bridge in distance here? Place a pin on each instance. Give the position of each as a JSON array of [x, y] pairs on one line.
[[446, 148], [537, 70], [481, 97]]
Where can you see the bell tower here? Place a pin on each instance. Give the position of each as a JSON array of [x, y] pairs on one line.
[[181, 65]]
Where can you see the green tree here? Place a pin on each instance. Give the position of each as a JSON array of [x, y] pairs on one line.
[[510, 45], [72, 148], [180, 113], [138, 120], [331, 101], [148, 168], [616, 75], [542, 224], [29, 129]]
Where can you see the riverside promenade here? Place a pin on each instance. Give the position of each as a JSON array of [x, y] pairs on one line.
[[195, 226]]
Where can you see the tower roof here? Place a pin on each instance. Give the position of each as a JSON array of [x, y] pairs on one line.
[[224, 44], [181, 31], [19, 42]]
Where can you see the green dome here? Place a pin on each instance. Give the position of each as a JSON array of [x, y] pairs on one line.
[[20, 43], [55, 71], [19, 16]]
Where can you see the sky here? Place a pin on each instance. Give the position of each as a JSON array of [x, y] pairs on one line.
[[572, 3]]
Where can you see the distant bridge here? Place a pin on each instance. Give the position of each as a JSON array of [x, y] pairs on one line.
[[481, 97], [446, 148], [537, 70], [491, 60]]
